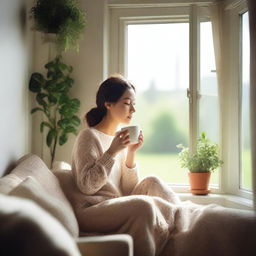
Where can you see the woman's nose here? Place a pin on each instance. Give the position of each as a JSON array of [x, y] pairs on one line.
[[133, 109]]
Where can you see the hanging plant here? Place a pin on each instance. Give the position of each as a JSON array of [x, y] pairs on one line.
[[52, 96], [61, 17]]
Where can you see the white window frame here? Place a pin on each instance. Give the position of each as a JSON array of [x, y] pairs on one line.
[[119, 15], [233, 167]]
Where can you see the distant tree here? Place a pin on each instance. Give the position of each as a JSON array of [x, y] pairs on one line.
[[165, 135]]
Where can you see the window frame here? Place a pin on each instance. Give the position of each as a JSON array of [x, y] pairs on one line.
[[241, 10], [233, 169], [120, 15]]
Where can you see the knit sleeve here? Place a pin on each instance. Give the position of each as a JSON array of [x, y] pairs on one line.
[[90, 166], [129, 178]]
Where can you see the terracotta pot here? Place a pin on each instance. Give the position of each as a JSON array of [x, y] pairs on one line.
[[199, 182]]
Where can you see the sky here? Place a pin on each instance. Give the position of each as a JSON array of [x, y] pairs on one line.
[[159, 54]]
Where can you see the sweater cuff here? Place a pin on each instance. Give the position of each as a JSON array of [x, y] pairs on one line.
[[131, 169], [107, 161]]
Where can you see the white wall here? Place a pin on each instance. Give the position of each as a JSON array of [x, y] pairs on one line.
[[88, 73], [15, 48]]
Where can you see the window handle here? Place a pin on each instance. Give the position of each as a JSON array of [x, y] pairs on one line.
[[189, 95]]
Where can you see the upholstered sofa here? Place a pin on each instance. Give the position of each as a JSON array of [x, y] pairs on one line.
[[37, 217]]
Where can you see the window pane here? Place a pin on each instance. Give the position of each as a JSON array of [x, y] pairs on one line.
[[208, 102], [158, 65], [246, 170]]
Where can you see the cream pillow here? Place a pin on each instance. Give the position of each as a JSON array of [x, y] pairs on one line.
[[60, 165], [30, 188], [9, 182], [27, 229]]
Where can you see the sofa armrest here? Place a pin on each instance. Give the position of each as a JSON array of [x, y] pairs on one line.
[[114, 245]]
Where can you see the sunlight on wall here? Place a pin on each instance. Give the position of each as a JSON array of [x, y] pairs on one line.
[[14, 62]]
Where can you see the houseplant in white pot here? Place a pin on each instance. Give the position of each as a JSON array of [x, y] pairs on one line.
[[200, 164]]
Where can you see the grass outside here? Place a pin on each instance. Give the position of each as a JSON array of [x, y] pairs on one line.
[[166, 167], [246, 174]]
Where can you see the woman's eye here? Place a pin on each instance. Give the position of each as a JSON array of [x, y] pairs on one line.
[[127, 103]]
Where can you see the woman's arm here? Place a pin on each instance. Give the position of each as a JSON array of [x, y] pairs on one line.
[[132, 148], [130, 176], [90, 167]]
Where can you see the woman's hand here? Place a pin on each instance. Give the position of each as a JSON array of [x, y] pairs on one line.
[[120, 141], [132, 148], [135, 147]]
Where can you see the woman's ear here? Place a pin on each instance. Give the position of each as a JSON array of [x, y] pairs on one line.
[[108, 105]]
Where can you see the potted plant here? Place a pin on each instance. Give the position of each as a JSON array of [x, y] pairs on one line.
[[52, 96], [62, 18], [200, 164]]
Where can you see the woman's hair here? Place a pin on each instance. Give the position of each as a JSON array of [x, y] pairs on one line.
[[110, 90]]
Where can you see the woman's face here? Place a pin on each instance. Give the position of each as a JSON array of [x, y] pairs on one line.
[[122, 110]]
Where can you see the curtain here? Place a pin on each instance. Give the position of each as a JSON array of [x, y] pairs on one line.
[[252, 26], [216, 18]]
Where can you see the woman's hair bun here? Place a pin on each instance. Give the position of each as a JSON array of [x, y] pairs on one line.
[[94, 116]]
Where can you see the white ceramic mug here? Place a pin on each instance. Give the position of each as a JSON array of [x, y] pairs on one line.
[[134, 132]]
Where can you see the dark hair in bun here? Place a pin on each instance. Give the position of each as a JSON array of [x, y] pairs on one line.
[[110, 90]]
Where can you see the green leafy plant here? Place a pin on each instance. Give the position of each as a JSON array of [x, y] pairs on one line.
[[205, 159], [61, 17], [52, 96]]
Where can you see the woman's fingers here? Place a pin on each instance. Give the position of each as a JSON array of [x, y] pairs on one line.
[[123, 137]]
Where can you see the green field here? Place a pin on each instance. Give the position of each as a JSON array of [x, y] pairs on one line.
[[246, 170], [165, 166]]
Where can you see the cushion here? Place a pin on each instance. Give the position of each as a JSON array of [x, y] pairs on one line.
[[74, 195], [27, 229], [60, 165], [9, 182], [30, 188], [32, 165]]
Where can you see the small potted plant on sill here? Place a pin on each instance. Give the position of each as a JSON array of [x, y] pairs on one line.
[[200, 164]]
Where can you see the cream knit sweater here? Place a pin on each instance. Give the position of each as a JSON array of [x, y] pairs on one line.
[[96, 173]]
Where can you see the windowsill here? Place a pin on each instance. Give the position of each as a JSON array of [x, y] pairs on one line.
[[225, 200]]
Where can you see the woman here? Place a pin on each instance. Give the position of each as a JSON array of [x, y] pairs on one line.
[[104, 169]]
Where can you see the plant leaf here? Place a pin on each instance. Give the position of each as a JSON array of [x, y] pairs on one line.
[[49, 65], [52, 99], [36, 82], [63, 123], [52, 134], [40, 99], [75, 120], [70, 129], [44, 124], [63, 99], [33, 110], [63, 139]]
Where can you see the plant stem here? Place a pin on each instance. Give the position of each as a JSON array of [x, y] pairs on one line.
[[54, 149]]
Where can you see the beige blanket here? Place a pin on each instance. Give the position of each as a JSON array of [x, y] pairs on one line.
[[180, 229], [211, 230]]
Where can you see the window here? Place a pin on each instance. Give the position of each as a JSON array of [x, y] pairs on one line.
[[158, 65], [245, 168], [208, 91], [158, 50]]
